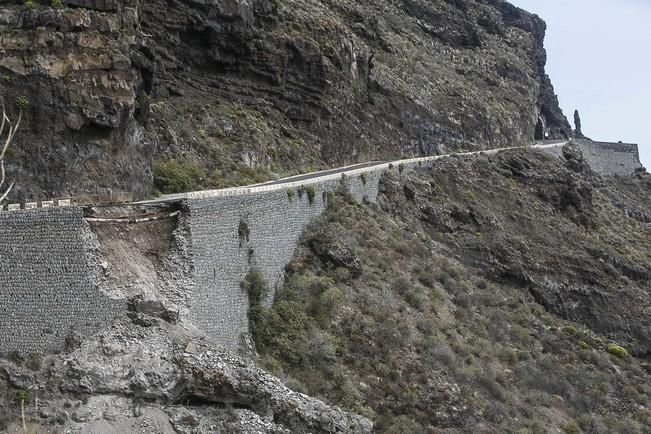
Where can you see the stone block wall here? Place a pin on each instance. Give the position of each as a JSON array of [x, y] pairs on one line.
[[48, 280], [605, 158], [222, 258], [611, 158]]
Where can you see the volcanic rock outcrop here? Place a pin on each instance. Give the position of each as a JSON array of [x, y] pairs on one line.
[[243, 90]]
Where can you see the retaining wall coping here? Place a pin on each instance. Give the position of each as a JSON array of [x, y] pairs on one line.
[[240, 191], [36, 205], [261, 188]]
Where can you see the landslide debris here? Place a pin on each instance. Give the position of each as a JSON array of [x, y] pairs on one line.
[[158, 378]]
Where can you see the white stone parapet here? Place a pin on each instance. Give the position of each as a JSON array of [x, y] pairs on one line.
[[37, 205]]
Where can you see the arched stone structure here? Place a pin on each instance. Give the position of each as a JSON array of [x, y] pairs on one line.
[[541, 128]]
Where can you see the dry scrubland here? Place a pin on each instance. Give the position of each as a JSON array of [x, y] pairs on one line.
[[501, 294]]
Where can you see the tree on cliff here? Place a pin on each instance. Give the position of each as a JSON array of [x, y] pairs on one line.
[[12, 128]]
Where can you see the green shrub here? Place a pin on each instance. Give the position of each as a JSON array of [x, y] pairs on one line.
[[508, 355], [56, 4], [287, 337], [570, 330], [342, 274], [643, 415], [21, 101], [401, 425], [29, 4], [572, 428], [401, 168], [257, 289], [583, 345], [19, 396], [470, 195], [245, 175], [364, 177], [330, 198], [617, 351], [311, 193], [255, 286], [172, 176], [16, 357], [291, 194], [326, 304]]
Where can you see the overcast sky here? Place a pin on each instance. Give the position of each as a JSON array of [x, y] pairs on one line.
[[599, 60]]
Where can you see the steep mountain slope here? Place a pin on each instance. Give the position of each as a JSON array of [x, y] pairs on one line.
[[501, 293], [237, 91], [489, 294]]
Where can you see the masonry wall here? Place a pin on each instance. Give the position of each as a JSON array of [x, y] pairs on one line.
[[49, 257], [221, 258], [605, 158], [611, 158], [48, 281]]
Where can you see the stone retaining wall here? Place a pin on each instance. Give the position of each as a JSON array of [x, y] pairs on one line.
[[611, 158], [48, 257], [48, 289], [49, 281], [621, 159], [223, 254]]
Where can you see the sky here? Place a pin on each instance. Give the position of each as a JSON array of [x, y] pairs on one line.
[[599, 60]]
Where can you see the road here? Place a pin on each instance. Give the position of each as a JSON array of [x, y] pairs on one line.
[[167, 198]]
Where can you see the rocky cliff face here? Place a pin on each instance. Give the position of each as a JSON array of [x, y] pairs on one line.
[[243, 90], [146, 375]]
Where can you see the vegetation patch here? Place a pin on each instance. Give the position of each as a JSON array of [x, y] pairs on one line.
[[311, 193], [20, 396], [429, 310], [173, 176], [257, 289], [330, 197], [617, 351], [569, 330], [21, 101]]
